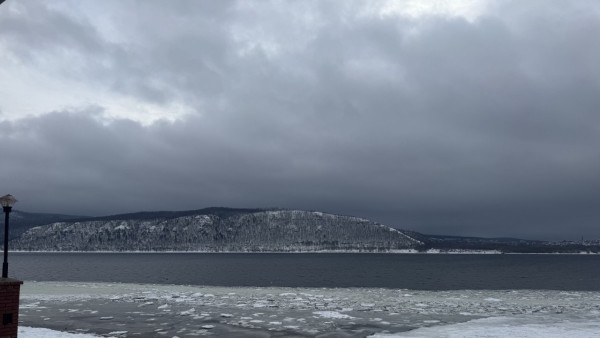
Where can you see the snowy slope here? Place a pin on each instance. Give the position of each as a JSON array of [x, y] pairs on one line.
[[276, 230]]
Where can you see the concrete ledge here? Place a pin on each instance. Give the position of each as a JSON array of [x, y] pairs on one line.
[[10, 281]]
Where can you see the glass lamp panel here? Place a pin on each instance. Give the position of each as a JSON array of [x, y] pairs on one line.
[[7, 201]]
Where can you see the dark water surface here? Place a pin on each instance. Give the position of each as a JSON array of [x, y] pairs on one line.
[[410, 271]]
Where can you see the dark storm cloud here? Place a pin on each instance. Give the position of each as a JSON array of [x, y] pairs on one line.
[[435, 124]]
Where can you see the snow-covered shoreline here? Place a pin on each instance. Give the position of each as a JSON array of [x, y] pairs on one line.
[[38, 332], [506, 327]]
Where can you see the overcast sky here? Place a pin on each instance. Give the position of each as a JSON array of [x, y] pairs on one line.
[[451, 117]]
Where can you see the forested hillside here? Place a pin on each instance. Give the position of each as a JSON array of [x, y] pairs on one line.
[[254, 231]]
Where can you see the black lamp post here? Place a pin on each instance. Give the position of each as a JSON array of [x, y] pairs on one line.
[[7, 203]]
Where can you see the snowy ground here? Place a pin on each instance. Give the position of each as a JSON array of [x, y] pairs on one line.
[[130, 310], [35, 332]]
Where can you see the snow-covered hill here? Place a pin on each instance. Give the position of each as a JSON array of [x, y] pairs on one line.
[[272, 230]]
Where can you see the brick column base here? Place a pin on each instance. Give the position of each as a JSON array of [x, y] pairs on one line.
[[9, 307]]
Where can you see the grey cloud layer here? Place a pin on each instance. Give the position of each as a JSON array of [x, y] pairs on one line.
[[434, 124]]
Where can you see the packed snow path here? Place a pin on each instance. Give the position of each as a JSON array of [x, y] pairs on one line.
[[130, 310]]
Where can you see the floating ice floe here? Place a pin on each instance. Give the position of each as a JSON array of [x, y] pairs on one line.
[[332, 314]]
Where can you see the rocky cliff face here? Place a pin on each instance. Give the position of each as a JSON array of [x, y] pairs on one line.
[[280, 230]]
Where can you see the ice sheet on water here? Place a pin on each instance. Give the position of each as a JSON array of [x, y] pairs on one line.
[[308, 311]]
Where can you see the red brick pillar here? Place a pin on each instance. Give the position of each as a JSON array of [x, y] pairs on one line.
[[9, 307]]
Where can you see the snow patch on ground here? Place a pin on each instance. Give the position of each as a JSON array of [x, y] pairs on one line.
[[506, 327], [36, 332]]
